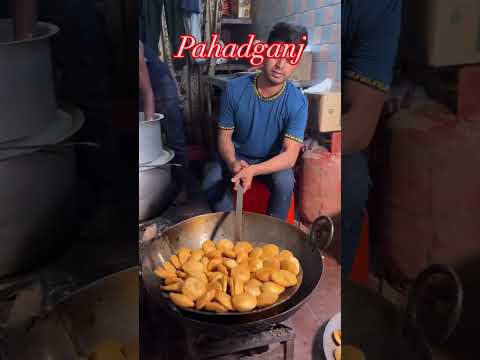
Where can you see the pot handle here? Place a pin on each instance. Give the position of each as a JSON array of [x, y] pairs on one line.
[[51, 146], [323, 225], [416, 292], [151, 167]]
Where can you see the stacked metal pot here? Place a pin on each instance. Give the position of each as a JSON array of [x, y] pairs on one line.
[[37, 187], [154, 176]]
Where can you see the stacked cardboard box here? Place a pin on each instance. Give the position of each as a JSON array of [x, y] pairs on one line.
[[442, 32], [324, 112]]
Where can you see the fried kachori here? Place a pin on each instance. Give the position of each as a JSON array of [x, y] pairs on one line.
[[244, 302], [227, 276], [194, 288]]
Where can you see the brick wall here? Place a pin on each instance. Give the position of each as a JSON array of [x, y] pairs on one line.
[[323, 20]]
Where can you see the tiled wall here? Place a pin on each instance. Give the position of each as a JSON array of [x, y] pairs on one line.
[[323, 20]]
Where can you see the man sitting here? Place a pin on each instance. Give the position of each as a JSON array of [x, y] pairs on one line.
[[261, 128]]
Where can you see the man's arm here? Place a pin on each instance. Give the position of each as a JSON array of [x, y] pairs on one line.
[[368, 72], [24, 13], [226, 147], [226, 127], [285, 160], [363, 106], [146, 88]]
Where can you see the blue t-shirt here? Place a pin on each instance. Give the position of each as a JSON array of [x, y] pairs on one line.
[[260, 125], [370, 36]]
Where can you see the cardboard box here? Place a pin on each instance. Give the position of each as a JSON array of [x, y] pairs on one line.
[[442, 32], [304, 70], [325, 112], [241, 9]]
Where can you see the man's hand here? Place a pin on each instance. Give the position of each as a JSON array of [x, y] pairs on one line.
[[245, 177], [237, 166]]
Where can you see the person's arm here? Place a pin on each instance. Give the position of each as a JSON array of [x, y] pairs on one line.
[[226, 149], [225, 146], [226, 128], [146, 88], [363, 108], [368, 73], [285, 160], [24, 13]]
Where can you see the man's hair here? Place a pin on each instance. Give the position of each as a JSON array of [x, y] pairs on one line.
[[284, 32]]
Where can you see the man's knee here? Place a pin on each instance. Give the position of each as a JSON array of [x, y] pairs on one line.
[[212, 175], [283, 181]]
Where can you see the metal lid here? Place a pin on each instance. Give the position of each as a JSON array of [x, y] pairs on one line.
[[165, 158], [141, 118], [64, 126], [43, 31]]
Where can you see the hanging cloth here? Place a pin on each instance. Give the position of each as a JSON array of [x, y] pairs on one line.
[[192, 18], [149, 22], [190, 6], [165, 50], [213, 24], [176, 27]]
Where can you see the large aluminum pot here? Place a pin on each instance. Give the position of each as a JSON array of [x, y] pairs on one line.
[[107, 310], [150, 139], [37, 203], [154, 187], [27, 98]]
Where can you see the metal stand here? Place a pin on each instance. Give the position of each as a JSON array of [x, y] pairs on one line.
[[206, 347]]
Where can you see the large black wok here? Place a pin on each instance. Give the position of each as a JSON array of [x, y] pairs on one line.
[[257, 229]]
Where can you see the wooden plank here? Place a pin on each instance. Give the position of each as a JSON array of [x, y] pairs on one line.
[[235, 21]]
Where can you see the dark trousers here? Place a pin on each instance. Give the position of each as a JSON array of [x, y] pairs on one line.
[[218, 187]]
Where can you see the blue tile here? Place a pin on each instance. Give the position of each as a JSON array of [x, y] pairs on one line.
[[334, 52], [326, 34], [315, 48], [337, 17], [319, 17], [304, 19], [283, 7], [319, 71], [310, 35], [313, 4], [296, 6]]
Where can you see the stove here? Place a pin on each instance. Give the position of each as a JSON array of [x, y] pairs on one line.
[[278, 340], [163, 337]]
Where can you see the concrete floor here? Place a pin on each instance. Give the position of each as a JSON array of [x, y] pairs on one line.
[[324, 303]]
